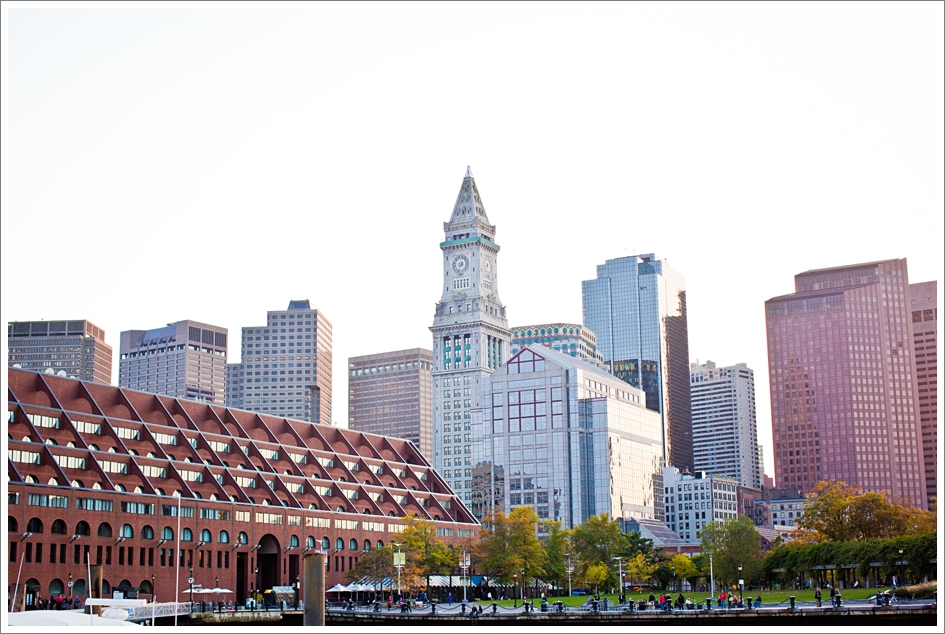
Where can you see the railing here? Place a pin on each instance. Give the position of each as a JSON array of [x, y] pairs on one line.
[[158, 610]]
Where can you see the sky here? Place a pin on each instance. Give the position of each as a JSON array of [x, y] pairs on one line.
[[214, 161]]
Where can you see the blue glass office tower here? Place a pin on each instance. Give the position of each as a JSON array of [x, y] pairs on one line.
[[637, 308]]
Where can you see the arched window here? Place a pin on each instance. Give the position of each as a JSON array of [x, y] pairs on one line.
[[223, 537], [390, 514], [197, 495], [106, 587], [58, 528], [97, 485], [104, 529], [139, 490], [159, 491], [167, 533], [145, 587], [367, 511], [31, 479], [126, 531], [353, 544], [205, 535], [147, 532], [243, 538], [35, 526], [313, 507], [82, 528], [78, 587], [55, 587], [367, 545], [214, 497], [380, 544], [340, 544], [325, 543], [120, 487], [12, 526], [186, 535], [294, 541], [341, 509], [78, 484], [310, 542]]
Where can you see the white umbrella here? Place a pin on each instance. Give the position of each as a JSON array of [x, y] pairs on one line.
[[337, 588], [219, 590]]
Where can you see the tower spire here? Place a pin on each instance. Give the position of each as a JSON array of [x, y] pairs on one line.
[[468, 172]]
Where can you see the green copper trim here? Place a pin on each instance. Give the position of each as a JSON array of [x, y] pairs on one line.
[[450, 243]]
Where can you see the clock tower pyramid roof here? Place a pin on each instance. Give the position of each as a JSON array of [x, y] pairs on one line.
[[468, 210]]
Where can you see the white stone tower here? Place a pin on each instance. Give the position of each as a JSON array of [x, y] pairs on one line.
[[471, 337]]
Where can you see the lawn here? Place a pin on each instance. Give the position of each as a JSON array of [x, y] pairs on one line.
[[767, 597]]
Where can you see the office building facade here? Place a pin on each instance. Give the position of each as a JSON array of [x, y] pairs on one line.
[[724, 422], [694, 500], [74, 348], [470, 333], [185, 359], [842, 379], [567, 438], [924, 307], [285, 367], [391, 394], [637, 309], [572, 339], [97, 475]]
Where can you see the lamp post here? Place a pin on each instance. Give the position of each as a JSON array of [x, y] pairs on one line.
[[217, 587], [398, 564], [298, 591], [711, 577], [620, 576], [153, 599], [741, 584], [902, 580], [570, 572], [255, 586], [464, 564], [191, 570], [514, 588]]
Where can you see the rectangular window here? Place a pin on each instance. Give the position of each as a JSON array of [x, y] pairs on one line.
[[92, 504], [128, 433], [43, 421], [86, 427]]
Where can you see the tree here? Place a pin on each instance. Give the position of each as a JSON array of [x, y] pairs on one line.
[[640, 568], [596, 574], [596, 541], [375, 565], [683, 568], [733, 543], [509, 548], [556, 543], [837, 511], [424, 549]]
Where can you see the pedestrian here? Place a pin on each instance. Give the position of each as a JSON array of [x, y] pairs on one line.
[[723, 600], [449, 598], [833, 593], [818, 596], [651, 600]]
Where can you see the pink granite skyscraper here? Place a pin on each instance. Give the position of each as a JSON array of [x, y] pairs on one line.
[[843, 383], [924, 333]]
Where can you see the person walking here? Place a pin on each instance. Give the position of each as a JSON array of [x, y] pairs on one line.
[[818, 596], [723, 600], [449, 598]]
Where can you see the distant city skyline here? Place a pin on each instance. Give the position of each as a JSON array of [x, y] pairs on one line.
[[164, 164]]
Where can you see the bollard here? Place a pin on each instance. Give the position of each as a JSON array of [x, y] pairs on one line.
[[463, 608], [495, 607], [433, 608], [708, 603], [792, 598]]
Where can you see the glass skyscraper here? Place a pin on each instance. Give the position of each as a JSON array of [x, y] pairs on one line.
[[637, 308]]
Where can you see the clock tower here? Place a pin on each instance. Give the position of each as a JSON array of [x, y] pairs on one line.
[[471, 337]]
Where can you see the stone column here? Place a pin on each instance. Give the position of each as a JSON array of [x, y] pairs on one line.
[[95, 589]]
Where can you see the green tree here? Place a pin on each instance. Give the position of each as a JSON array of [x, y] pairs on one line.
[[557, 544], [640, 568], [683, 568], [731, 544], [597, 574], [509, 549], [375, 565], [597, 541], [424, 549]]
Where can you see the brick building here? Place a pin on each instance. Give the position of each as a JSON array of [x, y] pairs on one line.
[[95, 472]]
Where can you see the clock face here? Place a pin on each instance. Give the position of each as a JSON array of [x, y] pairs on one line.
[[460, 264]]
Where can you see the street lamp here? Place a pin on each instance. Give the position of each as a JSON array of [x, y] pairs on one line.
[[570, 572], [217, 587], [902, 580], [741, 584], [619, 575], [254, 586], [514, 587], [398, 564], [464, 564], [191, 569], [153, 591]]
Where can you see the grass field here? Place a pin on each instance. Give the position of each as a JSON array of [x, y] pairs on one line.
[[767, 597]]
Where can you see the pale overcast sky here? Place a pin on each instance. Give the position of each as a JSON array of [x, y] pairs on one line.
[[212, 162]]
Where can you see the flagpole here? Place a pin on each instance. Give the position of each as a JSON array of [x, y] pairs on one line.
[[88, 592]]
